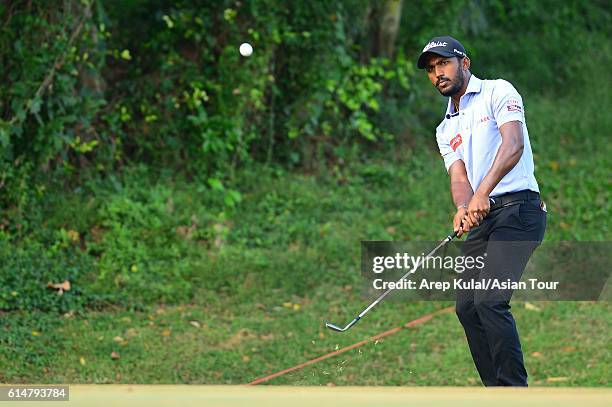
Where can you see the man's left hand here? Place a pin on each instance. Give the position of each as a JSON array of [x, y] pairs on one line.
[[478, 209]]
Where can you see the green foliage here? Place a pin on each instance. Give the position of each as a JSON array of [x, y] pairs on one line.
[[148, 237], [542, 46], [91, 86], [186, 92], [348, 105], [139, 127], [50, 92]]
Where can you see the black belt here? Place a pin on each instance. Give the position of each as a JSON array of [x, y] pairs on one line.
[[513, 198]]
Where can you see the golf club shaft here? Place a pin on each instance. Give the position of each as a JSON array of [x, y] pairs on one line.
[[383, 295]]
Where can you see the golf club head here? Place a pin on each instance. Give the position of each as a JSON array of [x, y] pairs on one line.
[[334, 327], [338, 329]]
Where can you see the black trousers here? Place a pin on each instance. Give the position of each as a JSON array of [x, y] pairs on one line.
[[507, 238]]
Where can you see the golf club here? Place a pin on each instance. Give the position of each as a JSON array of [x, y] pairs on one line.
[[383, 295]]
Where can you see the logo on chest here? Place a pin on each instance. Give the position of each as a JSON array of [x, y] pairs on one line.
[[456, 142], [483, 119]]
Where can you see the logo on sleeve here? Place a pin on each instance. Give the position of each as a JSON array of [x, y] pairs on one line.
[[456, 142], [514, 105]]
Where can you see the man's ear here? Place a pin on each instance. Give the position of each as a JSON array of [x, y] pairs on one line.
[[466, 63]]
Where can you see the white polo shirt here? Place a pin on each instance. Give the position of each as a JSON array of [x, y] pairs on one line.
[[472, 134]]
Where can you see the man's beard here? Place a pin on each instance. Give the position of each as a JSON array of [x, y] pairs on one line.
[[455, 87]]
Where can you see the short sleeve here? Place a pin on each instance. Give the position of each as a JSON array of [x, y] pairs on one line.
[[448, 154], [507, 104]]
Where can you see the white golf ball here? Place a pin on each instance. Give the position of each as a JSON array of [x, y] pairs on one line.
[[246, 49]]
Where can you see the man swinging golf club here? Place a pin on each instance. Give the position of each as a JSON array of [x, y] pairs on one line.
[[484, 142]]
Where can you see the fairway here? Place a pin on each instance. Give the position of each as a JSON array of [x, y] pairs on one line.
[[229, 396]]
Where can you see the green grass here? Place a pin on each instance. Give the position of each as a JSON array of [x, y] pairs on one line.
[[565, 344], [157, 252]]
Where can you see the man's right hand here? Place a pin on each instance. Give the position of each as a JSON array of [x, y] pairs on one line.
[[461, 213]]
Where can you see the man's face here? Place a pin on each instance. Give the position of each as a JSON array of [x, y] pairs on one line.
[[447, 74]]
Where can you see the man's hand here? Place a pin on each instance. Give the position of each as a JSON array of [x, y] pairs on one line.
[[462, 192], [458, 219], [477, 210]]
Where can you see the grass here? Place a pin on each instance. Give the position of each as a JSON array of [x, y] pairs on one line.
[[200, 344], [185, 290]]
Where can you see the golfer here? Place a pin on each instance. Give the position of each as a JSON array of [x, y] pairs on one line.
[[484, 142]]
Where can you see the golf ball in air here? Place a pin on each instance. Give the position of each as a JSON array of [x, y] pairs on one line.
[[246, 49]]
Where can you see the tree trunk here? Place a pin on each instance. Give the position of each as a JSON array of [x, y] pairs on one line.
[[389, 27]]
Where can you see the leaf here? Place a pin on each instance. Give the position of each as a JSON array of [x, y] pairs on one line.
[[293, 133], [235, 195], [168, 21], [61, 287], [125, 54], [215, 184], [5, 137], [74, 236], [35, 105]]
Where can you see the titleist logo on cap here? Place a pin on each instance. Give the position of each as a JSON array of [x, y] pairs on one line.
[[434, 44]]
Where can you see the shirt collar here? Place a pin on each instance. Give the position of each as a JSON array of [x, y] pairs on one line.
[[474, 86]]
